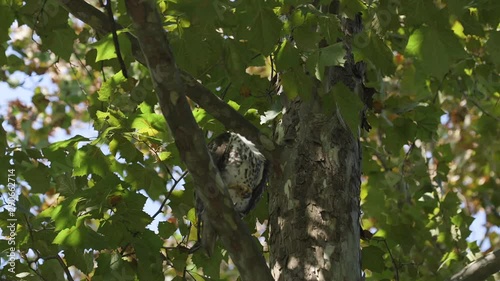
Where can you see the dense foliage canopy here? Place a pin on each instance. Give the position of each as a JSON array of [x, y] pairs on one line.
[[430, 161]]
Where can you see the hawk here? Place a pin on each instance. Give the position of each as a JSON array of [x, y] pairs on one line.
[[244, 172]]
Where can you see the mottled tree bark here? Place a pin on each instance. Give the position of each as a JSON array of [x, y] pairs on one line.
[[314, 198], [315, 188], [481, 269]]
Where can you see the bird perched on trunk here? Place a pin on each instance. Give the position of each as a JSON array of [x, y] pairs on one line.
[[244, 172]]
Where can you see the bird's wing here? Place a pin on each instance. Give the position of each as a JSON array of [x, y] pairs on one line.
[[258, 190]]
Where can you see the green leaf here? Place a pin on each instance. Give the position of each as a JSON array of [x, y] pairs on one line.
[[3, 139], [435, 49], [63, 215], [264, 31], [166, 229], [350, 106], [428, 120], [402, 131], [65, 143], [90, 159], [392, 178], [288, 57], [38, 178], [110, 87], [352, 7], [306, 35], [149, 123], [57, 42], [418, 11], [332, 55], [372, 258], [106, 121], [179, 261], [369, 46], [492, 48], [111, 267], [6, 19], [39, 100], [127, 149], [147, 248], [114, 232], [52, 270], [210, 265], [458, 7], [79, 235], [106, 48], [472, 25], [83, 260], [296, 83], [330, 28], [3, 57]]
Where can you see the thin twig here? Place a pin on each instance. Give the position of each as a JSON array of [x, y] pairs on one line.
[[156, 154], [407, 155], [225, 90], [462, 86], [392, 259], [115, 38], [482, 109], [383, 162], [37, 273], [65, 267], [59, 259], [189, 272], [168, 194]]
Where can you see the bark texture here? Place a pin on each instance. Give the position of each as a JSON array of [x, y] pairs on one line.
[[314, 205], [480, 269], [315, 190]]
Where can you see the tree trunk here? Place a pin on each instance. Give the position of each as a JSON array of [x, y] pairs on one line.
[[314, 198]]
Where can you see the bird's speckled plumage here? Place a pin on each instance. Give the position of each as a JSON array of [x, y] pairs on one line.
[[242, 169], [244, 172]]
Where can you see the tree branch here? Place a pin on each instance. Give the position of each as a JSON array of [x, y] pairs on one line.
[[230, 118], [480, 269], [171, 85], [109, 10]]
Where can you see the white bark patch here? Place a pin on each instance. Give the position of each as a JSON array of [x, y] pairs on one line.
[[334, 155], [282, 166], [293, 263], [314, 213], [279, 133], [276, 271], [288, 184], [174, 97], [281, 222], [313, 272], [327, 253], [349, 165], [291, 201]]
